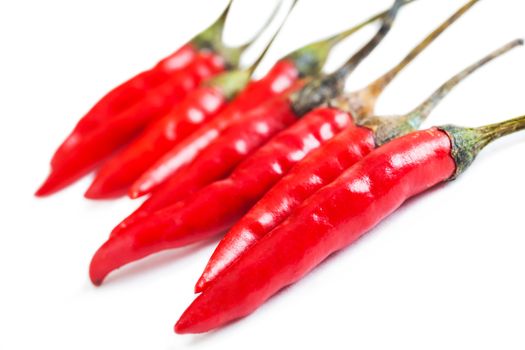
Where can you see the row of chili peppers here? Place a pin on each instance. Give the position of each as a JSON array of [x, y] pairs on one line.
[[290, 166]]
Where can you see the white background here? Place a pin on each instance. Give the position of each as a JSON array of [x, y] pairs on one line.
[[446, 271]]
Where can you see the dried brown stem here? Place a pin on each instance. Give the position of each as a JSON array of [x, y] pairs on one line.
[[324, 89], [363, 101]]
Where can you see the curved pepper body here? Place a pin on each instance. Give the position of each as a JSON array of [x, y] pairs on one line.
[[226, 152], [119, 172], [87, 150], [218, 206], [135, 88], [127, 94], [171, 190], [316, 170], [282, 78], [328, 221]]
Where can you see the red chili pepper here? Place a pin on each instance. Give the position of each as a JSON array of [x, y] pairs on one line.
[[361, 101], [281, 80], [131, 91], [161, 198], [151, 93], [222, 154], [115, 176], [225, 152], [306, 61], [93, 147], [318, 169], [216, 207], [337, 215], [199, 107]]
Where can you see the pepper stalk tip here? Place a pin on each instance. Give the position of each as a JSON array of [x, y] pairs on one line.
[[54, 182], [468, 142]]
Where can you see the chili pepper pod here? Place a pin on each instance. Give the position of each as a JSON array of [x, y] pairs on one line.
[[209, 40], [198, 108], [307, 61], [337, 215], [128, 93], [105, 129], [217, 206], [250, 132], [302, 62], [247, 135], [92, 148], [209, 132], [318, 169], [183, 223]]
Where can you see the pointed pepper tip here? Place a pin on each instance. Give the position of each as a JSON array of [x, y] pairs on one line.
[[200, 285], [48, 187]]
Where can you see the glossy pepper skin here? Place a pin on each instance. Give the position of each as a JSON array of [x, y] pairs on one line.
[[177, 159], [135, 88], [337, 215], [316, 170], [119, 172], [234, 145], [321, 167], [279, 79], [194, 59], [218, 206], [171, 228], [198, 109], [304, 62], [96, 145], [163, 196], [131, 91], [331, 219], [203, 104], [202, 66]]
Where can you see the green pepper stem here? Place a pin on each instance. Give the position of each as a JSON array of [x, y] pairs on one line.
[[232, 82], [492, 132], [323, 89], [211, 38], [363, 101], [212, 35], [311, 58], [466, 143]]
